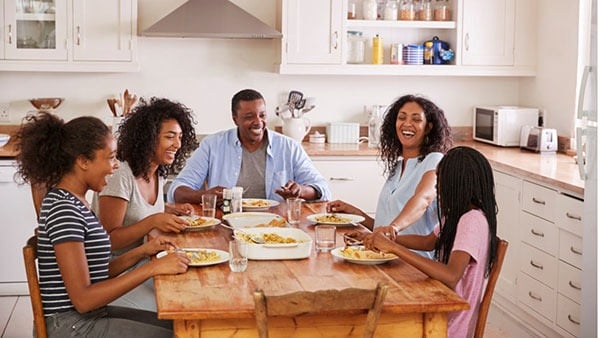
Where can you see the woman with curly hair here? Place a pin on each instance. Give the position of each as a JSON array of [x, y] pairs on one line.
[[414, 137], [154, 140]]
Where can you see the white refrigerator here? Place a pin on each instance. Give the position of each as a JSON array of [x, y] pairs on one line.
[[587, 159]]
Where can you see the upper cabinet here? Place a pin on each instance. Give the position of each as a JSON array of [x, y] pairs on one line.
[[69, 35], [494, 38]]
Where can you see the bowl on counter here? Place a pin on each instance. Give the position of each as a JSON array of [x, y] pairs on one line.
[[4, 138], [46, 103]]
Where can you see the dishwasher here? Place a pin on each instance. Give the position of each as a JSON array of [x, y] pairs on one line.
[[17, 224]]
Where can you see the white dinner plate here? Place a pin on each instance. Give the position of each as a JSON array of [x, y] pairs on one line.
[[209, 222], [257, 204], [223, 256], [337, 253], [347, 219], [240, 220]]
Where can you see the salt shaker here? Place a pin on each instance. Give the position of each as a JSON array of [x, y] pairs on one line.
[[236, 201], [227, 196]]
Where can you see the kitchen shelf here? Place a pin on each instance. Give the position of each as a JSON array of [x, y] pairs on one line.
[[400, 24]]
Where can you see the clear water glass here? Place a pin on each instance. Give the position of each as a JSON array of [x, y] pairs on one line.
[[238, 255]]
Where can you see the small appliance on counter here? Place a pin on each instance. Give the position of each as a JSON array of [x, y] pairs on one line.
[[501, 125], [539, 139]]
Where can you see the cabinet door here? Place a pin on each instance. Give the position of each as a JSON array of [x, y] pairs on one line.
[[488, 32], [312, 32], [35, 30], [508, 190], [356, 182], [103, 30]]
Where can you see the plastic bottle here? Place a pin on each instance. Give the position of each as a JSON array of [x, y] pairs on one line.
[[377, 50]]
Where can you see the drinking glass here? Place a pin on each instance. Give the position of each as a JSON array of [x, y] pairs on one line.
[[294, 209], [209, 204], [238, 255], [325, 237]]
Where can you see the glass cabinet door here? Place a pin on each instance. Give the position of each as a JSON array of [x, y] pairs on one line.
[[36, 29]]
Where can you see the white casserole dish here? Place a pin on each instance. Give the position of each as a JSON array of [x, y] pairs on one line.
[[278, 251]]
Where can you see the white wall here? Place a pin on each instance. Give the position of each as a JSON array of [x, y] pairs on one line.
[[204, 74]]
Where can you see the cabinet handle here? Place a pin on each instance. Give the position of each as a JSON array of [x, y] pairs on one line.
[[538, 201], [467, 42], [538, 298], [575, 251], [335, 40], [537, 266], [573, 320], [535, 233], [10, 34], [78, 35], [575, 217], [574, 286], [341, 179]]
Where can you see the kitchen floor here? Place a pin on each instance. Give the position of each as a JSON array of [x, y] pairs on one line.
[[16, 321]]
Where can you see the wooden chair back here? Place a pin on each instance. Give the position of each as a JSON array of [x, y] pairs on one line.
[[484, 308], [303, 302], [38, 192], [30, 257]]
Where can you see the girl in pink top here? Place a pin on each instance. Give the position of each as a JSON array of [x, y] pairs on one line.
[[465, 244]]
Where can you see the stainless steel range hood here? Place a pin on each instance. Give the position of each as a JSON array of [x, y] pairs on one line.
[[211, 19]]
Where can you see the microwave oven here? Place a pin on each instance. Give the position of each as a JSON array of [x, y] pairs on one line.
[[501, 125]]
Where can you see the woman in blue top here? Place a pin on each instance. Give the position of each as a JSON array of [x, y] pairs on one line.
[[414, 137], [77, 277]]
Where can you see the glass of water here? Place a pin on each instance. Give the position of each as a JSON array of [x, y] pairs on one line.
[[209, 205], [325, 237], [238, 255]]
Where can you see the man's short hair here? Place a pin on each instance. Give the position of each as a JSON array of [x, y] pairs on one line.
[[244, 95]]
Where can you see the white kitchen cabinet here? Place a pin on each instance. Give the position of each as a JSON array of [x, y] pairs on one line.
[[69, 35], [312, 32], [356, 180], [497, 38]]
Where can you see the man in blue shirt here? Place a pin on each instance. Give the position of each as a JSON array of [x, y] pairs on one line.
[[265, 163]]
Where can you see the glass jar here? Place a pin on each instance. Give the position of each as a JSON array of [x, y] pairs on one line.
[[442, 10], [391, 10], [356, 47], [407, 10], [428, 52], [351, 9], [369, 9], [426, 11]]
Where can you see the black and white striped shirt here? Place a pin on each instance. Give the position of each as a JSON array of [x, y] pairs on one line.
[[64, 218]]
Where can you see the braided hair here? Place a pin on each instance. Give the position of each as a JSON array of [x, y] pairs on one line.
[[439, 138], [465, 182]]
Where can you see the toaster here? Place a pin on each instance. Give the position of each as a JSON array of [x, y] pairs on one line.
[[539, 139]]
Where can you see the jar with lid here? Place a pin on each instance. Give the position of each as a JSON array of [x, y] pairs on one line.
[[442, 10], [356, 47], [369, 9], [351, 9], [428, 52], [391, 10], [407, 10], [425, 11]]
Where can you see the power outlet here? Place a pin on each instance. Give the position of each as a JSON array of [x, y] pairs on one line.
[[4, 113]]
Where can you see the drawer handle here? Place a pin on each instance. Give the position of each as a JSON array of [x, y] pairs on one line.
[[535, 233], [537, 266], [573, 320], [574, 286], [575, 217], [538, 298], [575, 251], [538, 201], [341, 179]]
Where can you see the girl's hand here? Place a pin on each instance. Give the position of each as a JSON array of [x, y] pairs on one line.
[[342, 207], [387, 231], [379, 242], [168, 222], [171, 264], [179, 209], [157, 245]]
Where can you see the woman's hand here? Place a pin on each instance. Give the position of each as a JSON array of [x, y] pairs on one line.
[[388, 231], [168, 222], [379, 242], [343, 207], [157, 245], [171, 264], [179, 209]]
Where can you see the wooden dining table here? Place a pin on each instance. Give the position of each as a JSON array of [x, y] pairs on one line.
[[213, 301]]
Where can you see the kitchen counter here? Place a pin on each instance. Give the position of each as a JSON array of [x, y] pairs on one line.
[[557, 169]]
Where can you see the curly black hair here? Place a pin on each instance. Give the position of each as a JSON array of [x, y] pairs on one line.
[[48, 147], [139, 132], [439, 138], [465, 181]]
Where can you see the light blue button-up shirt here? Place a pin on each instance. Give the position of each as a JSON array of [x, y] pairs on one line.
[[219, 158], [398, 189]]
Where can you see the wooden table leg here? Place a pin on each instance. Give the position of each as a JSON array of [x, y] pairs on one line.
[[435, 324], [186, 328]]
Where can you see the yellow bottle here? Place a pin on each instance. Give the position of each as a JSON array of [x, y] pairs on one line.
[[377, 50]]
